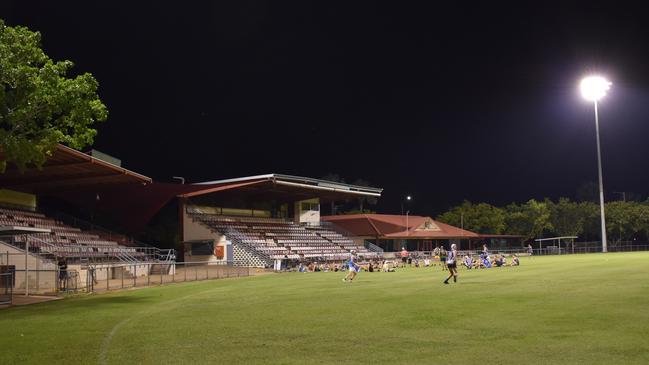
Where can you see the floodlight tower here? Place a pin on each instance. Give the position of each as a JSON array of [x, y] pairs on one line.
[[593, 88]]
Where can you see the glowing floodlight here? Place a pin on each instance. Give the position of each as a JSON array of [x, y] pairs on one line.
[[594, 88]]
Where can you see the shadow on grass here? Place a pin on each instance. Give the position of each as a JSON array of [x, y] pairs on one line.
[[80, 303]]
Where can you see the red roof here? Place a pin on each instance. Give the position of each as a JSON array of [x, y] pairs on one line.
[[68, 169], [397, 226]]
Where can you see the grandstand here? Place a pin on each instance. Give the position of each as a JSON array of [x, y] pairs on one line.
[[260, 241], [249, 222], [35, 235], [62, 241], [285, 226]]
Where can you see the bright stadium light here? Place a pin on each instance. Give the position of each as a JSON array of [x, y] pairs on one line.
[[593, 88]]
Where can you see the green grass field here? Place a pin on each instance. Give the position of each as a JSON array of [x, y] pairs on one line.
[[582, 309]]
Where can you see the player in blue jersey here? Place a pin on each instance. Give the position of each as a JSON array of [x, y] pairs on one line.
[[353, 269]]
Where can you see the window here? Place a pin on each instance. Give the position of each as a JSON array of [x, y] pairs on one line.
[[310, 206]]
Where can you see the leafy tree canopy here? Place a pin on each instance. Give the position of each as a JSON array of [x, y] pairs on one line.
[[479, 218], [40, 104]]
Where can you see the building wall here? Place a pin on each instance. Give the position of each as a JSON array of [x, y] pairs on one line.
[[42, 273], [194, 231], [307, 216], [18, 198]]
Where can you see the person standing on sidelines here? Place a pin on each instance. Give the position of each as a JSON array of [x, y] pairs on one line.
[[529, 250], [451, 263], [436, 254], [404, 256], [442, 257], [353, 268]]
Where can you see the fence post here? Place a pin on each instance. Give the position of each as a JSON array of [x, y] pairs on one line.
[[107, 278], [134, 275], [160, 267], [195, 273], [185, 271], [148, 276], [207, 271], [123, 269]]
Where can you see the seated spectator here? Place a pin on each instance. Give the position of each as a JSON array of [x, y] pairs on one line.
[[515, 261], [426, 262], [468, 262], [336, 267], [326, 267]]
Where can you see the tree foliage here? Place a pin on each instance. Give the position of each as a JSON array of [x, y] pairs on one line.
[[537, 219], [480, 218], [530, 219], [40, 104]]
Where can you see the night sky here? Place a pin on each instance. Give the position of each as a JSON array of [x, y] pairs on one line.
[[443, 103]]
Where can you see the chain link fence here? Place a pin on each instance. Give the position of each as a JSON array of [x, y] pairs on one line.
[[6, 287], [123, 276], [43, 277]]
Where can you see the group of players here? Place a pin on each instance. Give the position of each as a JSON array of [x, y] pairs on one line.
[[448, 260]]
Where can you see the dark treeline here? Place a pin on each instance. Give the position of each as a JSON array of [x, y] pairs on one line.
[[625, 220]]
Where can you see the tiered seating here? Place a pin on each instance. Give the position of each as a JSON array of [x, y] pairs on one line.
[[64, 241], [240, 231], [279, 239], [344, 242]]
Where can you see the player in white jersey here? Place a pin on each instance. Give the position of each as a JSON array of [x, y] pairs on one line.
[[451, 263]]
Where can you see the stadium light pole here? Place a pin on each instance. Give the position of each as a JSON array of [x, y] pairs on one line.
[[593, 88], [408, 198]]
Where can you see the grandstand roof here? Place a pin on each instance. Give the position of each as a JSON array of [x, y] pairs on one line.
[[134, 205], [388, 226], [299, 183], [68, 169]]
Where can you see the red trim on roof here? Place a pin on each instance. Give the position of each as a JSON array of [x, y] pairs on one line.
[[394, 226], [212, 189]]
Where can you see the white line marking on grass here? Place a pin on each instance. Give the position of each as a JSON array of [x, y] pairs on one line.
[[105, 345]]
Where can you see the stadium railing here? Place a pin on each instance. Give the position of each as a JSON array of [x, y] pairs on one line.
[[6, 287], [123, 276]]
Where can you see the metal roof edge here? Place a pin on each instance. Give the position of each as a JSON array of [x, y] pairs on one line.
[[301, 179]]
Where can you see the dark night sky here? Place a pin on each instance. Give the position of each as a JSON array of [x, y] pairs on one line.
[[444, 103]]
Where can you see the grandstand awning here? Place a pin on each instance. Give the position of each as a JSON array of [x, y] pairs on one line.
[[300, 187], [68, 169], [132, 206], [386, 226]]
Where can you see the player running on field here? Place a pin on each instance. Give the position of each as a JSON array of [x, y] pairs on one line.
[[451, 263], [353, 268]]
